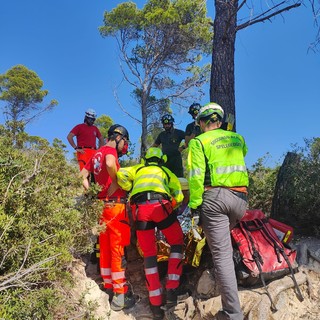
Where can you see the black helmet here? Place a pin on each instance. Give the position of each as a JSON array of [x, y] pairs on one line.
[[118, 129], [194, 109], [167, 118]]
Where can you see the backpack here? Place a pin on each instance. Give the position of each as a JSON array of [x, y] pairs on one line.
[[259, 255]]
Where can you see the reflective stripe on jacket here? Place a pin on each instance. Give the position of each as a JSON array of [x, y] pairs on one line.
[[223, 152], [144, 178]]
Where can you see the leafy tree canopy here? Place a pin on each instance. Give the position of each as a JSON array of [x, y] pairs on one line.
[[21, 90], [162, 46], [104, 122]]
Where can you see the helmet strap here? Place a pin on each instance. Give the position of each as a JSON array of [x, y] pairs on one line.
[[117, 142], [89, 121], [120, 153]]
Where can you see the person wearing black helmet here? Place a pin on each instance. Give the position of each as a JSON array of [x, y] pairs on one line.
[[192, 129], [104, 165], [86, 134], [170, 140]]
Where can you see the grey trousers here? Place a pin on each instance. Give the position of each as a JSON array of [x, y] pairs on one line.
[[220, 211]]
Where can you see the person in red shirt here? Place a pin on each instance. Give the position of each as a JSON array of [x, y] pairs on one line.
[[86, 135], [104, 165]]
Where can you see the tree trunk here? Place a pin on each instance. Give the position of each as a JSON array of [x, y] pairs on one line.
[[144, 126], [222, 88]]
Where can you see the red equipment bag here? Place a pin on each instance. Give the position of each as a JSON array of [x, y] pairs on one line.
[[259, 254], [283, 231]]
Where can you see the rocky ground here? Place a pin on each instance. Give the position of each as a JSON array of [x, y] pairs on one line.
[[204, 301]]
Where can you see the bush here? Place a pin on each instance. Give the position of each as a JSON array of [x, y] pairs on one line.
[[262, 181], [296, 198], [44, 224]]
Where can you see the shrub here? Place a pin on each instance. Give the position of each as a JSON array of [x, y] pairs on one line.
[[44, 224], [262, 181]]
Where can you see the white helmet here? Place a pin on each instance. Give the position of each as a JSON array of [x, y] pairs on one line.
[[209, 110], [90, 113]]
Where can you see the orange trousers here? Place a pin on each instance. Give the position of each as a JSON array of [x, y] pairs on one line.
[[83, 158], [112, 242]]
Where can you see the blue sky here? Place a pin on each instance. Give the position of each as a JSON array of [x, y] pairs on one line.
[[277, 79]]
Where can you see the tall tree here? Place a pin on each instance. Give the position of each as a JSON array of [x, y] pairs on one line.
[[161, 46], [21, 89], [226, 25]]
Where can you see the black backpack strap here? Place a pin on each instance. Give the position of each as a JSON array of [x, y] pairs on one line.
[[246, 229], [279, 248]]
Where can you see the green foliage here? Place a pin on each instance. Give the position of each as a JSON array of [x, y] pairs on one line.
[[289, 193], [44, 224], [297, 199], [21, 89], [262, 181], [162, 46], [104, 122], [21, 84]]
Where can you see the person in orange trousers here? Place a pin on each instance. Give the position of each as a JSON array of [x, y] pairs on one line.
[[104, 165], [86, 134]]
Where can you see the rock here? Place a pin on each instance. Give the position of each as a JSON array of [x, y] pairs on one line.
[[207, 286], [205, 302], [88, 291]]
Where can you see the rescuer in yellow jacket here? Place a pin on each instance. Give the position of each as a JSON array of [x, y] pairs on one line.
[[218, 182], [154, 194]]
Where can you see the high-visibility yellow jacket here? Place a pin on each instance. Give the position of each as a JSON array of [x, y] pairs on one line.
[[150, 178], [216, 158]]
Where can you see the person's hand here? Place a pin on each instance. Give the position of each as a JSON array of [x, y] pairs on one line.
[[80, 150], [196, 211], [181, 148], [112, 188], [195, 216]]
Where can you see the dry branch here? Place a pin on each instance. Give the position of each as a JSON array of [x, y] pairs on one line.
[[18, 278], [268, 17]]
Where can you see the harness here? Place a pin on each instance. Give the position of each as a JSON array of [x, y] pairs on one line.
[[150, 197]]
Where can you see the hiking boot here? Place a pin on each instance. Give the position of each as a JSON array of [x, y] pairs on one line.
[[157, 312], [122, 301], [222, 315], [175, 295], [109, 292]]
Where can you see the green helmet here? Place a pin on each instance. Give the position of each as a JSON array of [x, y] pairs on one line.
[[155, 154], [211, 109]]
